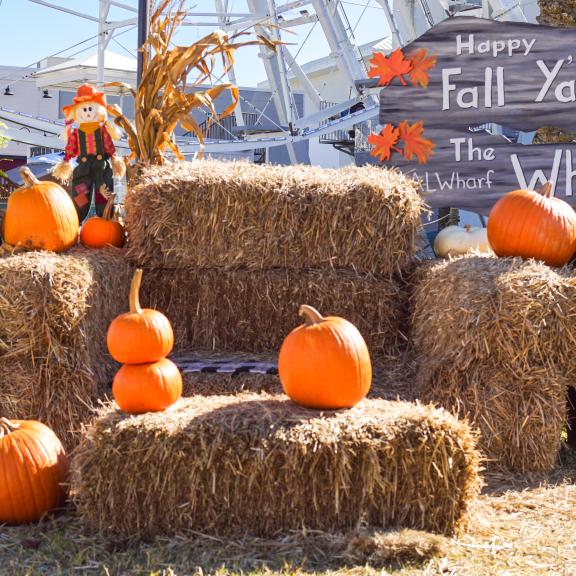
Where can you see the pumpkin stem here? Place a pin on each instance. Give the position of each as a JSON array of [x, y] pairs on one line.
[[467, 227], [7, 427], [135, 307], [28, 177], [546, 190], [311, 315], [109, 206]]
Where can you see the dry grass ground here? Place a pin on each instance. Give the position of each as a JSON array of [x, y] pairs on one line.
[[523, 526]]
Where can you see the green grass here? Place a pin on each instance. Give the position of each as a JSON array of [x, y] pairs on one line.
[[519, 526]]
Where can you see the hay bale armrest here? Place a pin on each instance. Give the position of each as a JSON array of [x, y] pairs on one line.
[[212, 214], [54, 313], [494, 341], [260, 465]]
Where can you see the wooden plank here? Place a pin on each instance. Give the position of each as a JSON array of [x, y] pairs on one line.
[[517, 57], [472, 170]]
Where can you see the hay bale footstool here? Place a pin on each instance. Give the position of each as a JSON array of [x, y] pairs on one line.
[[494, 341], [260, 465]]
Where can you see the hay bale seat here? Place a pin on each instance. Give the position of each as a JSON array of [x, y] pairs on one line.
[[260, 465], [211, 214], [495, 341], [253, 311], [54, 313]]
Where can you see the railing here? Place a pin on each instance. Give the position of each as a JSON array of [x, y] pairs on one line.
[[223, 129], [337, 135], [361, 133], [357, 135]]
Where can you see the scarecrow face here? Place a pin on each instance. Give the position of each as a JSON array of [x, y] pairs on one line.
[[89, 112]]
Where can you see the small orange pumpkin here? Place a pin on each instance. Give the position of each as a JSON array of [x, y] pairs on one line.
[[33, 468], [325, 363], [140, 336], [533, 225], [139, 388], [98, 232], [40, 216]]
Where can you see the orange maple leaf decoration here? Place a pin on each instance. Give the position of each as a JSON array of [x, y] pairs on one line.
[[387, 68], [384, 142], [414, 142], [421, 63]]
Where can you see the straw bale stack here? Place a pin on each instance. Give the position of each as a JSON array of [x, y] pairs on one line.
[[211, 214], [253, 464], [54, 313], [254, 310], [494, 340]]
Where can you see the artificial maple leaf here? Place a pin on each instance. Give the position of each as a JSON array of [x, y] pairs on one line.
[[414, 142], [421, 63], [384, 142], [387, 68]]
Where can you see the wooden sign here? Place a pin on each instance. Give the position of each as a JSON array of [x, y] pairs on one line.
[[519, 75], [472, 170], [466, 73]]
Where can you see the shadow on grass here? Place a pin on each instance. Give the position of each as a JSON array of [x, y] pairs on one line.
[[60, 544]]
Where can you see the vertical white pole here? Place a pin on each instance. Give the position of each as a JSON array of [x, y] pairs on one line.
[[102, 38], [231, 73]]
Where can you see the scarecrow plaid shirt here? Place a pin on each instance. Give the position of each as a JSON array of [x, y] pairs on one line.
[[73, 146]]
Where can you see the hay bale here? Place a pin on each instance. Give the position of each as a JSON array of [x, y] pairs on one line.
[[494, 340], [214, 214], [54, 313], [250, 464], [253, 311]]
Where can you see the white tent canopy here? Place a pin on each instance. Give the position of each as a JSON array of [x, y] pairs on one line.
[[72, 73]]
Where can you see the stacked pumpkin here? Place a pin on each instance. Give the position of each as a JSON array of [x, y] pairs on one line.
[[141, 339]]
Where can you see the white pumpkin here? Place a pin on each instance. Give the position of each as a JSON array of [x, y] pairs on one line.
[[454, 241]]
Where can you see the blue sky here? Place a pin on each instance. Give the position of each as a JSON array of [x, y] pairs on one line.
[[30, 32]]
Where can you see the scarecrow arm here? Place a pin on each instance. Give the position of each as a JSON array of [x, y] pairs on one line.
[[71, 150], [107, 142]]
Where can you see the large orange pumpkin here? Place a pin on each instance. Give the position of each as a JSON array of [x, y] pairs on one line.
[[140, 336], [533, 225], [325, 362], [139, 388], [33, 468], [98, 232], [40, 216]]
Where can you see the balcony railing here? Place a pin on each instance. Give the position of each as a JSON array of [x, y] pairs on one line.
[[223, 129]]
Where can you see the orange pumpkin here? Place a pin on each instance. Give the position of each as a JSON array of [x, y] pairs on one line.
[[98, 232], [533, 225], [139, 388], [33, 468], [40, 216], [325, 363], [140, 336]]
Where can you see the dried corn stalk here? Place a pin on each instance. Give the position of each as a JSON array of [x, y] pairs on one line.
[[166, 96]]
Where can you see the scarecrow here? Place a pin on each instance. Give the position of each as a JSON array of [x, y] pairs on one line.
[[92, 144]]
